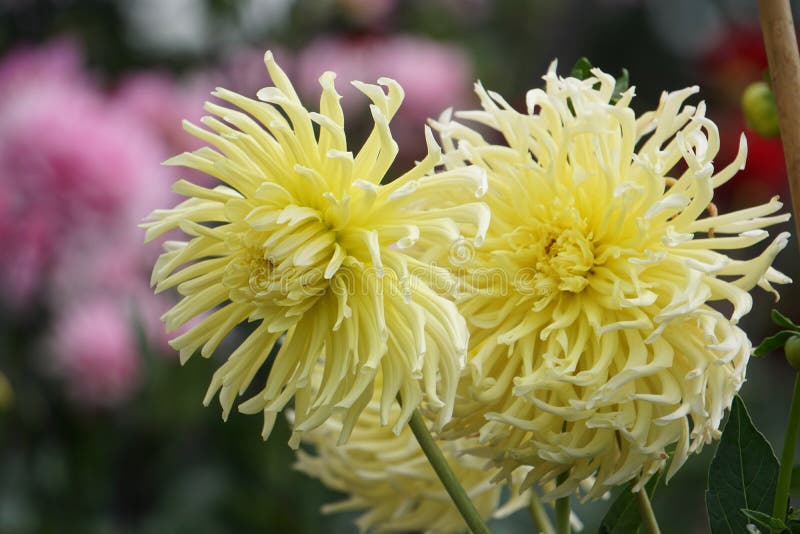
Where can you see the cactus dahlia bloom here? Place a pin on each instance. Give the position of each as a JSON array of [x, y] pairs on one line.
[[594, 345], [389, 478], [302, 240]]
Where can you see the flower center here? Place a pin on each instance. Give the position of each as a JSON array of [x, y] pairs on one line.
[[285, 266], [565, 259], [556, 253]]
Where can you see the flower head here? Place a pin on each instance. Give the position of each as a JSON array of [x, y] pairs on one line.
[[389, 478], [594, 345], [302, 240], [57, 190], [95, 353]]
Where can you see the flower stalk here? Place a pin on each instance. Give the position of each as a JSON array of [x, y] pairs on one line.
[[787, 456], [539, 515], [562, 508], [646, 511], [437, 460]]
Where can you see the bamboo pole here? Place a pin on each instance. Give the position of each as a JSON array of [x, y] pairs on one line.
[[784, 69]]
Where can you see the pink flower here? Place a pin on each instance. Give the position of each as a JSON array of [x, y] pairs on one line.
[[368, 12], [161, 104], [243, 70], [95, 354], [70, 162], [434, 75]]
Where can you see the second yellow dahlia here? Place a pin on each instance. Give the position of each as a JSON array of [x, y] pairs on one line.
[[594, 344], [388, 478]]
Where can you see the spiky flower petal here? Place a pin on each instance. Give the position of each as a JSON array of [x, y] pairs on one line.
[[302, 240], [594, 345]]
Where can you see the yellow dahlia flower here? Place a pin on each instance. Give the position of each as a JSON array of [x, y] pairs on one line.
[[594, 345], [389, 478], [302, 240]]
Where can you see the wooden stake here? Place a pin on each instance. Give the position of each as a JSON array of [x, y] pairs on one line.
[[784, 69]]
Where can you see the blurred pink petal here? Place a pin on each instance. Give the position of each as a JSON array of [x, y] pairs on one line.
[[244, 71], [434, 75], [95, 353], [70, 163], [368, 12], [162, 103]]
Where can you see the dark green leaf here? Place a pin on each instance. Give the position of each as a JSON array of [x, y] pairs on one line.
[[582, 69], [793, 521], [623, 517], [760, 519], [621, 85], [784, 322], [773, 342], [794, 489], [742, 475]]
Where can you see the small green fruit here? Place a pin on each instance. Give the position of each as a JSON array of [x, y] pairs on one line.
[[760, 111], [792, 350]]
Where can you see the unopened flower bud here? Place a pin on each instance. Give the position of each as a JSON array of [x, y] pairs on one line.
[[760, 112], [6, 393], [792, 350]]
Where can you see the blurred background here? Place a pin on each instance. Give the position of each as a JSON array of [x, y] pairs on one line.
[[101, 431]]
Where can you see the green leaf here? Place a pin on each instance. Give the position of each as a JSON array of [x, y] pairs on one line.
[[784, 322], [582, 69], [760, 519], [773, 342], [793, 521], [794, 488], [742, 475], [623, 517], [621, 85]]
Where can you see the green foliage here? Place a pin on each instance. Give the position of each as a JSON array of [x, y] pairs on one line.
[[773, 342], [742, 476], [788, 338], [621, 85], [793, 521], [794, 489], [583, 70], [623, 516], [781, 320], [765, 521]]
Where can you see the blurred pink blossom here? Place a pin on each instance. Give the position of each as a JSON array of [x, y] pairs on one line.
[[70, 162], [161, 104], [28, 66], [434, 75], [368, 12], [244, 71], [118, 270], [95, 353]]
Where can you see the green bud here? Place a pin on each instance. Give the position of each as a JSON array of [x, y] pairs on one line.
[[760, 111], [792, 350], [6, 393]]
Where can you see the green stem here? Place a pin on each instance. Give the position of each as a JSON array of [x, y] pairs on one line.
[[562, 508], [787, 456], [646, 511], [539, 515], [437, 460]]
